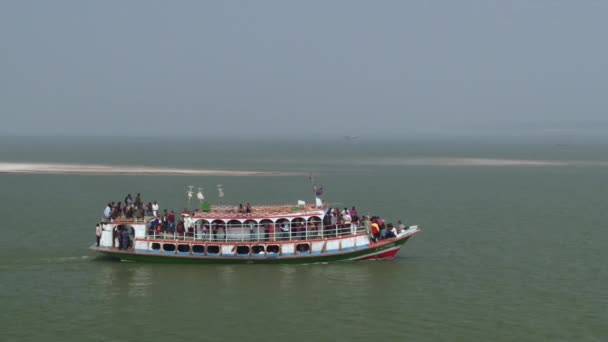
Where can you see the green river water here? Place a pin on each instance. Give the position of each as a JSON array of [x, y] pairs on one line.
[[507, 253]]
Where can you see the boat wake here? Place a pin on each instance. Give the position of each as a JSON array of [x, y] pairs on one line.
[[27, 262], [87, 169], [60, 260]]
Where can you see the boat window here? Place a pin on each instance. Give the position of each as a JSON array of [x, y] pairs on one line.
[[183, 248], [155, 246], [198, 249], [213, 249], [258, 249], [168, 247], [302, 248], [242, 249], [273, 249]]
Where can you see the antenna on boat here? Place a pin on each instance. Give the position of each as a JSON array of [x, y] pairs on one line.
[[189, 193]]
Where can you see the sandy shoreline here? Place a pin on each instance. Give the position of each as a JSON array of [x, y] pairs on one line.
[[490, 162], [93, 169], [82, 169]]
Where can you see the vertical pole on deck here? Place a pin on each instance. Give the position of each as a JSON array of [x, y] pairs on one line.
[[322, 228]]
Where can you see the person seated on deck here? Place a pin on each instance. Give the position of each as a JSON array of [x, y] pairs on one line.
[[116, 211], [383, 233], [241, 210], [248, 209], [400, 227], [129, 212], [139, 212], [391, 232]]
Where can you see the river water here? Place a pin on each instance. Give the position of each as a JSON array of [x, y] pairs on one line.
[[510, 250]]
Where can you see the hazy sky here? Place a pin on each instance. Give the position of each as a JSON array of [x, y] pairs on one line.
[[311, 67]]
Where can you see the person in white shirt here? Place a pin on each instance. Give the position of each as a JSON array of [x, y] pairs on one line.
[[400, 227], [107, 212], [347, 220], [284, 231], [155, 209]]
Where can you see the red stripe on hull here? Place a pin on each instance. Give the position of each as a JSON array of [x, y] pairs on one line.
[[383, 255]]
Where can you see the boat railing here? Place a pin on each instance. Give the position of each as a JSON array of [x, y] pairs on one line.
[[259, 235], [124, 219], [218, 214]]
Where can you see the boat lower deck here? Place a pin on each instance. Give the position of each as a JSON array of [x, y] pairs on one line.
[[356, 247]]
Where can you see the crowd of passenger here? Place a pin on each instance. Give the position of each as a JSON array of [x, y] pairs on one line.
[[131, 208], [335, 223], [381, 230]]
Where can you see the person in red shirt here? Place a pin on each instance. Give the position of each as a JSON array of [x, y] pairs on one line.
[[171, 220], [180, 227]]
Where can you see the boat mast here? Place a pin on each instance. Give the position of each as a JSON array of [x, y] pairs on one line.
[[316, 191]]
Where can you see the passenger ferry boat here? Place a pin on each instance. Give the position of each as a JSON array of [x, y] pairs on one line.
[[265, 234]]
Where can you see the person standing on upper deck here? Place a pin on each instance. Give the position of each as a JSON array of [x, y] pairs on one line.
[[107, 212], [348, 222], [171, 220], [155, 209], [138, 201], [128, 200]]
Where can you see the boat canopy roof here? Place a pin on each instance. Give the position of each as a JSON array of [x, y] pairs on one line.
[[258, 211]]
